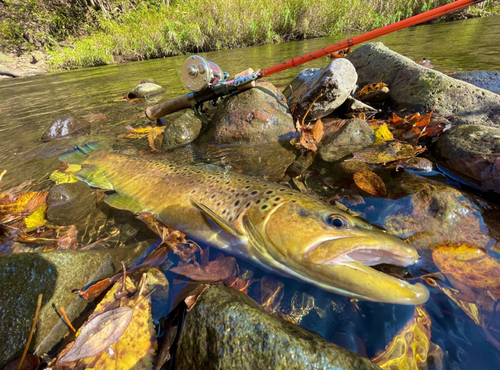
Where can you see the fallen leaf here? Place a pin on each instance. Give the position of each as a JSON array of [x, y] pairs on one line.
[[317, 130], [137, 133], [411, 348], [194, 295], [386, 152], [370, 182], [118, 338], [468, 266], [340, 54], [271, 294], [36, 220], [100, 333], [368, 89], [66, 174], [219, 269], [382, 134], [155, 137], [16, 206], [68, 239]]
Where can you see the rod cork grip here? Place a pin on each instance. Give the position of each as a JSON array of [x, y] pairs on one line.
[[168, 107]]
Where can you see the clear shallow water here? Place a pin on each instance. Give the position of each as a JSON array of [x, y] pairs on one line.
[[28, 105]]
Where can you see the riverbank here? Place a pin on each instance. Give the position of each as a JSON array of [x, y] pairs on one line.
[[125, 30]]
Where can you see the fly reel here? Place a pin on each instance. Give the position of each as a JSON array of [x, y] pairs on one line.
[[199, 73]]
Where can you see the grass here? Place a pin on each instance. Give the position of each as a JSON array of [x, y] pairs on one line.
[[137, 30]]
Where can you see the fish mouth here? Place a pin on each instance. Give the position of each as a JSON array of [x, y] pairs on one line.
[[343, 265]]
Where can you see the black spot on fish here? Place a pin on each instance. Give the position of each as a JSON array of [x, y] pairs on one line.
[[248, 204], [237, 203], [264, 206], [282, 189], [247, 187], [213, 196], [224, 211], [269, 192], [230, 219], [258, 201], [277, 199], [253, 193]]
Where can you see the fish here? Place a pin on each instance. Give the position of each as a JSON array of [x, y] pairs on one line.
[[278, 229]]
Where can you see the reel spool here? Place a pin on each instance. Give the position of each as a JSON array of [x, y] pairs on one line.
[[198, 73]]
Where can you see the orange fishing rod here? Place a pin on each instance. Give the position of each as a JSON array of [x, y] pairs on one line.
[[412, 21], [207, 84]]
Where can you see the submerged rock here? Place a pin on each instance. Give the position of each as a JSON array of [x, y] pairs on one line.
[[226, 329], [255, 116], [353, 107], [54, 274], [182, 130], [353, 136], [414, 87], [336, 82], [488, 80], [65, 126], [70, 203], [143, 90], [467, 141]]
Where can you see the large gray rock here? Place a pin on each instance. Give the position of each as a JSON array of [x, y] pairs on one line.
[[70, 203], [182, 130], [415, 87], [255, 116], [65, 126], [336, 82], [54, 274], [488, 80], [226, 329], [353, 136], [467, 141]]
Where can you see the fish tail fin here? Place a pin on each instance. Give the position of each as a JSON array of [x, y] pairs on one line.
[[78, 155]]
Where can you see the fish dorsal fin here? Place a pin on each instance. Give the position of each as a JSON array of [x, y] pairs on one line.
[[123, 202], [212, 216], [94, 177]]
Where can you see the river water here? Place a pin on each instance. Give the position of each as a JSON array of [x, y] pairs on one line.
[[29, 104]]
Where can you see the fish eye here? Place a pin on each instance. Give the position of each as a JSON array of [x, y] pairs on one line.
[[336, 221]]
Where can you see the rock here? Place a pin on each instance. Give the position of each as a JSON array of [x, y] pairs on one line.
[[467, 141], [352, 107], [419, 164], [70, 203], [143, 90], [414, 87], [157, 283], [55, 275], [427, 213], [488, 80], [226, 329], [65, 126], [254, 116], [336, 82], [353, 136], [182, 130]]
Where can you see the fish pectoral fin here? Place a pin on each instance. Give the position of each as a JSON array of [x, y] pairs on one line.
[[212, 216], [123, 202], [95, 177]]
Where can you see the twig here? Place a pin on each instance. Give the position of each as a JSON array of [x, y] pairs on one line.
[[63, 312], [37, 312], [314, 101]]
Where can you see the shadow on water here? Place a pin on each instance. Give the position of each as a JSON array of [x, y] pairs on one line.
[[28, 105]]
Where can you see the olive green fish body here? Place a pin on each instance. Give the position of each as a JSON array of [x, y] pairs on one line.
[[273, 226]]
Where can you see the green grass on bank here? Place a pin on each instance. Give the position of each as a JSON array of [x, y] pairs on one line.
[[182, 26]]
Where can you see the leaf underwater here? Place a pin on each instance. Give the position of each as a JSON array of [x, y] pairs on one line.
[[411, 348], [386, 152], [66, 175], [36, 220], [135, 347], [370, 182]]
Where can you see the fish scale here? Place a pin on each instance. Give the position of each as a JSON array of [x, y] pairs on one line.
[[274, 227]]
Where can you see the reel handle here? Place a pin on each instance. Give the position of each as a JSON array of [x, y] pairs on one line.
[[170, 106]]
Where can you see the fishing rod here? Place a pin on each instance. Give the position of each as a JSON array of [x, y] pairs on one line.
[[208, 83]]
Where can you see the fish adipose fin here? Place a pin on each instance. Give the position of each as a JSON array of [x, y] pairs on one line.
[[212, 216], [123, 202], [77, 155], [94, 177]]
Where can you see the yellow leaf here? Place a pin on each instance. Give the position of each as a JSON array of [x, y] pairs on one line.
[[370, 182], [134, 348], [67, 175], [411, 348], [36, 220], [382, 134], [137, 133], [367, 89], [155, 138]]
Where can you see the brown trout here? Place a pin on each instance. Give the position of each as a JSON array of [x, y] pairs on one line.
[[270, 225]]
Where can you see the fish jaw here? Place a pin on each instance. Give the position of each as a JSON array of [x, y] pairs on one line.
[[339, 259]]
